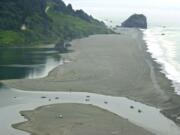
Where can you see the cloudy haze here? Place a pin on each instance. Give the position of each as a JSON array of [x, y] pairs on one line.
[[158, 12]]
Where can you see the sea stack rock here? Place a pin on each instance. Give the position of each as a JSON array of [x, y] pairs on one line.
[[136, 21]]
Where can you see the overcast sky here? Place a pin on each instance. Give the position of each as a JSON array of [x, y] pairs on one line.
[[158, 12]]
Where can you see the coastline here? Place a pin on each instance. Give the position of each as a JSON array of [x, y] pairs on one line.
[[161, 95], [71, 77]]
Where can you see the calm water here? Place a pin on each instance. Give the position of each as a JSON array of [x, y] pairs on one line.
[[150, 118], [164, 45], [16, 63]]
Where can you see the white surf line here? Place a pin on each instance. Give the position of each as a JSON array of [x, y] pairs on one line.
[[163, 52], [14, 101]]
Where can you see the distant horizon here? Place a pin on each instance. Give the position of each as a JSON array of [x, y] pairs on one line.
[[165, 12]]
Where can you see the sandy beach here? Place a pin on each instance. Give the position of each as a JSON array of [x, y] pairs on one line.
[[115, 65], [76, 119]]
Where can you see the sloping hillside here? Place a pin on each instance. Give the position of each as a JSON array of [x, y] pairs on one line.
[[33, 22]]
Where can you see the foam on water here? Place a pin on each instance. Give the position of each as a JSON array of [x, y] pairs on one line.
[[163, 46]]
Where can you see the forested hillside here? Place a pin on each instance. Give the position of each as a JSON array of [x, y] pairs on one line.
[[33, 22]]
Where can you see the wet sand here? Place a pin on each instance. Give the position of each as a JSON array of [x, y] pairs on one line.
[[76, 119]]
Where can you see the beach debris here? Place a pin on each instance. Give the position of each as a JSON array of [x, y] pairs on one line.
[[60, 116], [132, 107], [43, 97], [88, 96], [68, 44], [178, 118], [87, 100], [105, 102], [56, 97], [139, 111]]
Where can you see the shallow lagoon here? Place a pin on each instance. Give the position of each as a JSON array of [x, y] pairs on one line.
[[13, 101], [16, 63]]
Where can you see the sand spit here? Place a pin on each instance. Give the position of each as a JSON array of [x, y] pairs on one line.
[[76, 119], [14, 101]]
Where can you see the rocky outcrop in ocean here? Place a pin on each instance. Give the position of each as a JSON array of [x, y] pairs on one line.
[[135, 21]]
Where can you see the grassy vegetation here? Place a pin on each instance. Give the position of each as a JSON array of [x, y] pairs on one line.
[[11, 37], [67, 26]]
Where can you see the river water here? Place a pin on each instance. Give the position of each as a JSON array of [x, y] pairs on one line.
[[16, 63]]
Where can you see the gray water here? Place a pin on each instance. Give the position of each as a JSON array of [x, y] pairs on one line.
[[13, 101]]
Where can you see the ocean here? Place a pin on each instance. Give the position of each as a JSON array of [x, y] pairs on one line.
[[164, 45]]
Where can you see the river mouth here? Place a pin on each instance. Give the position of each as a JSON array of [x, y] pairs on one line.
[[13, 101], [18, 63]]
